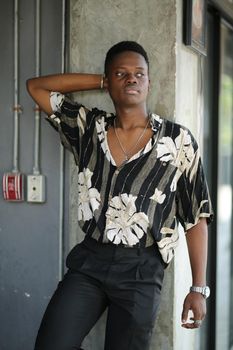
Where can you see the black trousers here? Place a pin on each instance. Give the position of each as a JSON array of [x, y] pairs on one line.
[[127, 281]]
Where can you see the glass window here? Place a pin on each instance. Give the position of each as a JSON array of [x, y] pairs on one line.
[[218, 162], [224, 194]]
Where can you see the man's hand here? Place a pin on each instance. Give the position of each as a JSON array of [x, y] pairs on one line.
[[196, 303]]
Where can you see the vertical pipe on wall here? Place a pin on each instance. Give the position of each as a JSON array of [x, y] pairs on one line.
[[16, 107], [61, 185], [36, 167]]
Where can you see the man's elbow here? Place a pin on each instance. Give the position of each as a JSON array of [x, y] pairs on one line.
[[30, 84]]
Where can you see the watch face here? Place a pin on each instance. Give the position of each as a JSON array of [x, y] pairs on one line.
[[206, 292]]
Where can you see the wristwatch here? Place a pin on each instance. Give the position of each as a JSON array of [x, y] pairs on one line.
[[205, 291]]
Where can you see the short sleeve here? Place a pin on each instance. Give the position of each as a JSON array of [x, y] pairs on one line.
[[69, 119], [192, 197]]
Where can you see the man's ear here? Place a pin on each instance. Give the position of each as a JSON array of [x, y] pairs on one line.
[[149, 85]]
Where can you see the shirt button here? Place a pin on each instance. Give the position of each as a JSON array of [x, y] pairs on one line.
[[117, 172]]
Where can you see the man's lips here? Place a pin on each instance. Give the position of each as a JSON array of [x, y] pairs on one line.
[[131, 90]]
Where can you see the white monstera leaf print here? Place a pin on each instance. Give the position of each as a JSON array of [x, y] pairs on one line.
[[158, 196], [124, 224], [88, 197], [102, 135], [179, 152], [168, 243]]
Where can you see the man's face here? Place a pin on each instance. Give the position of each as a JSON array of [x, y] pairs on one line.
[[128, 80]]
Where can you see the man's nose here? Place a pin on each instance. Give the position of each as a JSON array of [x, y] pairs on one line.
[[131, 79]]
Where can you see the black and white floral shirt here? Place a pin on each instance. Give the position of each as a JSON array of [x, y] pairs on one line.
[[142, 201]]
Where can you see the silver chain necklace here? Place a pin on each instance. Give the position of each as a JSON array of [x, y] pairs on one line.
[[127, 154]]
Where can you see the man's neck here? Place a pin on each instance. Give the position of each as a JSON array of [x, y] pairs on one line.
[[130, 118]]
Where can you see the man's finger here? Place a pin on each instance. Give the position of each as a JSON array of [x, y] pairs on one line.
[[192, 325], [184, 315]]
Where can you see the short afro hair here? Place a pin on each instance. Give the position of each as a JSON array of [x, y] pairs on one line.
[[123, 46]]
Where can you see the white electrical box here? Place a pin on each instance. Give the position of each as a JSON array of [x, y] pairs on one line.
[[36, 188]]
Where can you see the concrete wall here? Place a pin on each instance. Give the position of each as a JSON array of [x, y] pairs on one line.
[[189, 112], [175, 94], [94, 27]]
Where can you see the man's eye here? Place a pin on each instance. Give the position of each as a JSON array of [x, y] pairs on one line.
[[119, 74], [139, 74]]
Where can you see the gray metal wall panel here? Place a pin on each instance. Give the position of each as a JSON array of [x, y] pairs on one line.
[[28, 232]]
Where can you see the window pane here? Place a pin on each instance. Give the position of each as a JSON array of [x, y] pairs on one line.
[[225, 184]]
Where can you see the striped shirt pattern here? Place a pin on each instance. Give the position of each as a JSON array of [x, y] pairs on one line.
[[142, 201]]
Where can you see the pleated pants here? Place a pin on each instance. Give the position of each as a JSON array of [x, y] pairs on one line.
[[126, 281]]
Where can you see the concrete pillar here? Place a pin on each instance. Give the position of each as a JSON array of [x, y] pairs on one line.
[[94, 27]]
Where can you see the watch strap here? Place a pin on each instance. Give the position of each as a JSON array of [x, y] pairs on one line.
[[205, 291]]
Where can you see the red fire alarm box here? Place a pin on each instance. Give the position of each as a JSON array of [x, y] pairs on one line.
[[13, 187]]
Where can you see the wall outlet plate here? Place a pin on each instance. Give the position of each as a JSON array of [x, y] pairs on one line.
[[36, 188], [13, 187]]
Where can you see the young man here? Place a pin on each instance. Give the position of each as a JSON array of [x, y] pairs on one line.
[[138, 175]]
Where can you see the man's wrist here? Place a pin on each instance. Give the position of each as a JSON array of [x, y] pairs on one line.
[[204, 290]]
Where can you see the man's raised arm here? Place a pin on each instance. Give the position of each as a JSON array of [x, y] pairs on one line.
[[40, 88]]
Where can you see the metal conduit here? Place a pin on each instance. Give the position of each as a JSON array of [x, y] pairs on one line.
[[36, 167], [62, 161], [16, 108]]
